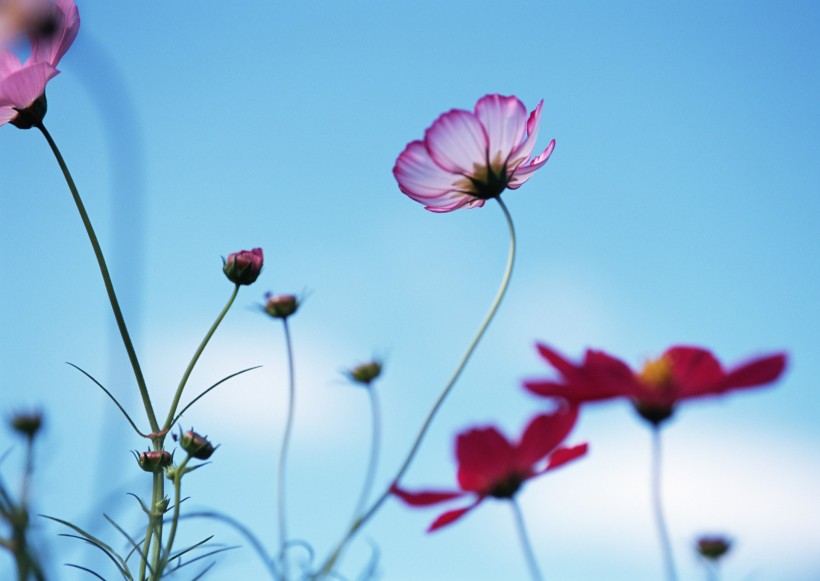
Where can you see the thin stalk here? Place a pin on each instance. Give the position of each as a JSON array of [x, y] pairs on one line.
[[526, 545], [157, 518], [375, 415], [657, 507], [195, 358], [283, 536], [109, 286], [179, 472], [505, 281]]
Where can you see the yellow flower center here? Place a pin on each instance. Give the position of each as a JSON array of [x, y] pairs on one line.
[[657, 374]]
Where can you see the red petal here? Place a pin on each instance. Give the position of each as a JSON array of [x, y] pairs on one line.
[[484, 457], [424, 498], [756, 372], [695, 371], [543, 434], [451, 516], [599, 376], [563, 455]]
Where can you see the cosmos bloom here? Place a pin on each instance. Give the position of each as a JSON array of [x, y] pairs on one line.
[[23, 84], [491, 466], [468, 157], [682, 372]]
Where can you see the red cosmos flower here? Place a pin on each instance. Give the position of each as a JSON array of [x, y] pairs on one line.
[[490, 465], [682, 372], [469, 157]]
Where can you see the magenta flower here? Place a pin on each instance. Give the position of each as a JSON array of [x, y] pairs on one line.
[[682, 372], [243, 267], [468, 157], [23, 85], [490, 465]]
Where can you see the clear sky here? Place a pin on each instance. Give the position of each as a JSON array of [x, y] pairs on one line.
[[680, 206]]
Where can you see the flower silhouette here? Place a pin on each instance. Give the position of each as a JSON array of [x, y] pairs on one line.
[[23, 85], [682, 372], [491, 466], [468, 157]]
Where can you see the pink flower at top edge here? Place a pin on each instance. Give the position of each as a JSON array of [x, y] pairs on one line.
[[23, 84], [682, 372], [468, 157], [489, 465]]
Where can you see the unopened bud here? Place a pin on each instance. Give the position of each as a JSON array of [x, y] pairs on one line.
[[197, 446], [713, 548], [280, 306], [154, 460], [243, 267], [365, 373], [27, 424]]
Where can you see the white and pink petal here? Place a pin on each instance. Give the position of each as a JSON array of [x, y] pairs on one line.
[[505, 122], [457, 142], [523, 172]]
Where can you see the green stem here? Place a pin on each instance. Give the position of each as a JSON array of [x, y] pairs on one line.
[[195, 358], [109, 287], [657, 506], [178, 473], [505, 281], [526, 545], [374, 451], [155, 523], [283, 537]]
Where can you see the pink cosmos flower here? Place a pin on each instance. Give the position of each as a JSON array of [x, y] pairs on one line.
[[22, 84], [468, 157], [682, 372], [491, 466]]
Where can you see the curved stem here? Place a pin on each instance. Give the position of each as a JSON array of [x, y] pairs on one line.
[[526, 545], [374, 451], [657, 507], [109, 286], [283, 537], [505, 281], [172, 412]]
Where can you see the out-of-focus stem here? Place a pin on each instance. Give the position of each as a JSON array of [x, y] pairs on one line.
[[505, 281], [281, 472], [526, 545], [375, 414], [657, 507]]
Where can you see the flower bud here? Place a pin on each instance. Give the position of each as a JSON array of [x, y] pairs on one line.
[[365, 373], [27, 424], [243, 267], [197, 446], [713, 548], [154, 460], [280, 306]]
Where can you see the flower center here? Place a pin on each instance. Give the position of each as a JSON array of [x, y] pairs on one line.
[[657, 374], [506, 488], [488, 183]]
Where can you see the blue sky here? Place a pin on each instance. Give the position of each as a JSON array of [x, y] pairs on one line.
[[680, 206]]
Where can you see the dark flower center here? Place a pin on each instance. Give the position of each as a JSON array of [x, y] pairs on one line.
[[491, 184], [506, 488]]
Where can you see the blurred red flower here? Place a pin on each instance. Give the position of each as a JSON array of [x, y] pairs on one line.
[[682, 372], [490, 465]]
